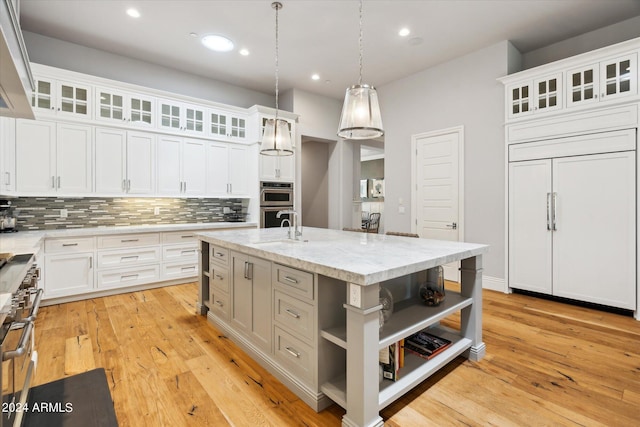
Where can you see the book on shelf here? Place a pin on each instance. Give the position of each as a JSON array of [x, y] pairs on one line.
[[389, 357], [425, 344]]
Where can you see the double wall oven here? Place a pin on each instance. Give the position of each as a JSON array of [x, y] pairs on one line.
[[19, 303], [274, 197]]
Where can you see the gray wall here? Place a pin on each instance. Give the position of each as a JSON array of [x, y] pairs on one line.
[[463, 92], [315, 184], [74, 57]]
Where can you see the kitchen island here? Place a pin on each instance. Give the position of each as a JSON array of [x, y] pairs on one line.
[[308, 310]]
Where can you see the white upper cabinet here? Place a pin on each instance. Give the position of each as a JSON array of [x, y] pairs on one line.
[[61, 98], [227, 126], [118, 107], [182, 164], [180, 117], [535, 96], [228, 170], [7, 155], [53, 158]]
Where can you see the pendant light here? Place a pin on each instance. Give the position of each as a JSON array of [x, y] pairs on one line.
[[361, 117], [276, 139]]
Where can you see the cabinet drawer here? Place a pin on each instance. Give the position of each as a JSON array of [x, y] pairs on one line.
[[294, 355], [220, 278], [219, 304], [293, 281], [69, 245], [171, 237], [122, 258], [180, 252], [128, 240], [219, 255], [294, 315], [179, 270], [128, 276]]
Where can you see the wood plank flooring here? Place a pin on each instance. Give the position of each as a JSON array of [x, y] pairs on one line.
[[547, 364]]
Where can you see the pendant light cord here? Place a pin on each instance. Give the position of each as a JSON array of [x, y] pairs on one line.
[[360, 45], [277, 7]]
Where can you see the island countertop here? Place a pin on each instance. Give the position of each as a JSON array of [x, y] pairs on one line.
[[360, 258]]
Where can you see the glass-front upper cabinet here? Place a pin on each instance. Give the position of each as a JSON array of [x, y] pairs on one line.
[[61, 98], [181, 117], [538, 96], [603, 81], [121, 107], [226, 126]]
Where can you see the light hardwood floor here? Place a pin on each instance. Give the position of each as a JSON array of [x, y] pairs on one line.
[[547, 364]]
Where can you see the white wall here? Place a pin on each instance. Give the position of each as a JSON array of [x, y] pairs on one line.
[[74, 57], [463, 92]]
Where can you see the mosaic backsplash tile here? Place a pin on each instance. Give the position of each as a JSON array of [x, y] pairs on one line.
[[45, 213]]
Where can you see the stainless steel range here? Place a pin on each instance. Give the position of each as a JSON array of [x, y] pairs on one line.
[[19, 302]]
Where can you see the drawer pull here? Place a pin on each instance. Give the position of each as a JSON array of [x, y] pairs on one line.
[[69, 244], [129, 276], [219, 254], [219, 277], [292, 313], [132, 257], [188, 251], [292, 352], [187, 236], [193, 267], [291, 279], [219, 303], [129, 240]]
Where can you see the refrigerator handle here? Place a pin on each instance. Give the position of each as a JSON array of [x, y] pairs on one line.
[[554, 203]]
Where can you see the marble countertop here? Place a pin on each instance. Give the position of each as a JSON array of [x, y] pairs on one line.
[[30, 241], [361, 258]]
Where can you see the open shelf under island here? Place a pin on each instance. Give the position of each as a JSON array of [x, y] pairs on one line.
[[308, 310]]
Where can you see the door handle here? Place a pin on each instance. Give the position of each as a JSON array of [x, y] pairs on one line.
[[554, 203], [452, 226], [248, 270]]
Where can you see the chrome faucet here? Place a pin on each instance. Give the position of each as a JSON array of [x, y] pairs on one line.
[[293, 215]]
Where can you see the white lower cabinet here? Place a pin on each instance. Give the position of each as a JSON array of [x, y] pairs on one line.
[[128, 260], [131, 276], [572, 224], [69, 266]]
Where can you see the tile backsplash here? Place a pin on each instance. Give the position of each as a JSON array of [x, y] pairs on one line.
[[48, 213]]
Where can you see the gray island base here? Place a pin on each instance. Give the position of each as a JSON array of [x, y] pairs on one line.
[[308, 310]]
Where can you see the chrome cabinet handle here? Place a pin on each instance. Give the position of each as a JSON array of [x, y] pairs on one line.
[[124, 185], [90, 262], [219, 277], [193, 267], [187, 236], [53, 182], [554, 203], [188, 251], [548, 211], [292, 352], [69, 244], [134, 257], [58, 182], [185, 186], [219, 303], [22, 344], [7, 180], [248, 270], [290, 279], [128, 185], [219, 254], [128, 240], [292, 313], [128, 276]]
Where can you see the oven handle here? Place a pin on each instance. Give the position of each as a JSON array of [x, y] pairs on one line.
[[36, 306], [22, 345]]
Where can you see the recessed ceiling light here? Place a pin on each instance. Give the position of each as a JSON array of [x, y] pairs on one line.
[[244, 52], [133, 13], [315, 77], [217, 43], [404, 32]]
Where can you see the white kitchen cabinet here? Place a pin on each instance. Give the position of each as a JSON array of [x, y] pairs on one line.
[[120, 107], [277, 168], [182, 164], [227, 126], [7, 155], [181, 117], [228, 170], [603, 81], [572, 229], [124, 162], [536, 96], [61, 98], [68, 266], [251, 298], [53, 158]]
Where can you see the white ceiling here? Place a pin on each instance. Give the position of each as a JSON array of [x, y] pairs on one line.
[[315, 36]]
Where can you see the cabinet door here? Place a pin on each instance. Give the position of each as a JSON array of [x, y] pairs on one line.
[[194, 120], [170, 115], [547, 93], [218, 124], [73, 99], [594, 244], [7, 155], [618, 77], [261, 302], [43, 95], [582, 85], [140, 111], [68, 274], [110, 106], [140, 163], [238, 170], [110, 161], [530, 225], [241, 292], [217, 169], [35, 156], [74, 158], [238, 128], [194, 167], [286, 168], [268, 168], [169, 178], [519, 100]]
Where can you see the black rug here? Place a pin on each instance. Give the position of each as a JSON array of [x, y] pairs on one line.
[[81, 400]]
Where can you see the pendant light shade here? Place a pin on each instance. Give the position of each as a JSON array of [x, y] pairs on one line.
[[361, 114], [360, 117], [276, 137]]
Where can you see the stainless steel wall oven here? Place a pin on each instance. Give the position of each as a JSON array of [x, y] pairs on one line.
[[274, 197], [19, 301]]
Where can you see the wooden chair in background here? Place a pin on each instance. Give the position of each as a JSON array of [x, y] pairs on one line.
[[374, 223]]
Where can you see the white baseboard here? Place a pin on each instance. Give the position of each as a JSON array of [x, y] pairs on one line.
[[494, 283]]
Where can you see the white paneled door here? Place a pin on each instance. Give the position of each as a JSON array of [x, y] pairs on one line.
[[437, 192]]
